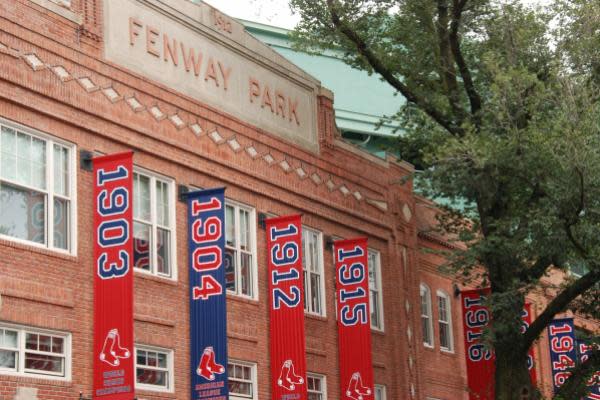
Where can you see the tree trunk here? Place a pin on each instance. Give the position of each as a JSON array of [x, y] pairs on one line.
[[512, 375]]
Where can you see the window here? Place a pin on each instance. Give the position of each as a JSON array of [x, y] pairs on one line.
[[316, 387], [426, 322], [36, 189], [241, 379], [240, 250], [153, 224], [312, 264], [380, 392], [153, 368], [26, 351], [375, 290], [445, 321]]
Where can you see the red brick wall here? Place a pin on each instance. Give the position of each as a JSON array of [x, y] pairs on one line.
[[41, 288]]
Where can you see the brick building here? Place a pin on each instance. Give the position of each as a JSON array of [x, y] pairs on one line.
[[202, 104]]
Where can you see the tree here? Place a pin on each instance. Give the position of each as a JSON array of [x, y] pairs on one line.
[[503, 113]]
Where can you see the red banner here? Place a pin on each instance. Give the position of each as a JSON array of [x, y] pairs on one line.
[[481, 366], [113, 277], [480, 360], [527, 319], [354, 325], [286, 291]]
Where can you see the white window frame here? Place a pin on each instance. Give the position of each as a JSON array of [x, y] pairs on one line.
[[153, 176], [446, 297], [21, 350], [253, 376], [323, 380], [170, 375], [49, 191], [238, 261], [377, 266], [425, 291], [321, 272], [381, 389]]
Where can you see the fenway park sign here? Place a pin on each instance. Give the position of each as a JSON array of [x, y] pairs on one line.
[[168, 42]]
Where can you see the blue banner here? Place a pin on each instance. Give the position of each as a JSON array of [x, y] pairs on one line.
[[563, 353], [208, 315], [584, 348]]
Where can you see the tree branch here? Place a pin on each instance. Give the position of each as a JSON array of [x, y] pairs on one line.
[[389, 76], [558, 304], [465, 73], [534, 272], [447, 72]]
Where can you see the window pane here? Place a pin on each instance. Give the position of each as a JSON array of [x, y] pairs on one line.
[[141, 196], [38, 163], [10, 339], [246, 274], [152, 359], [444, 342], [61, 223], [240, 388], [23, 159], [8, 359], [307, 289], [162, 360], [8, 153], [230, 269], [44, 343], [315, 293], [141, 246], [244, 230], [162, 203], [57, 345], [314, 252], [31, 341], [61, 170], [22, 213], [151, 377], [230, 226], [442, 308], [425, 329], [162, 252], [141, 357], [375, 309], [43, 362]]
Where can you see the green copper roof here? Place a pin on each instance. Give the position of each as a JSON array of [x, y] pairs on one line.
[[361, 100]]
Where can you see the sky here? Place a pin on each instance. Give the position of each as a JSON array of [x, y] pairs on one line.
[[270, 12], [276, 12]]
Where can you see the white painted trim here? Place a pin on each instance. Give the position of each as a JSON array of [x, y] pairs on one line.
[[379, 289], [22, 330], [170, 369], [323, 379], [321, 273], [48, 192], [424, 289], [383, 391], [253, 246], [254, 379], [446, 296], [153, 176]]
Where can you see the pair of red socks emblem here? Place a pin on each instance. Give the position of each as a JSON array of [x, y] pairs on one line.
[[208, 367]]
